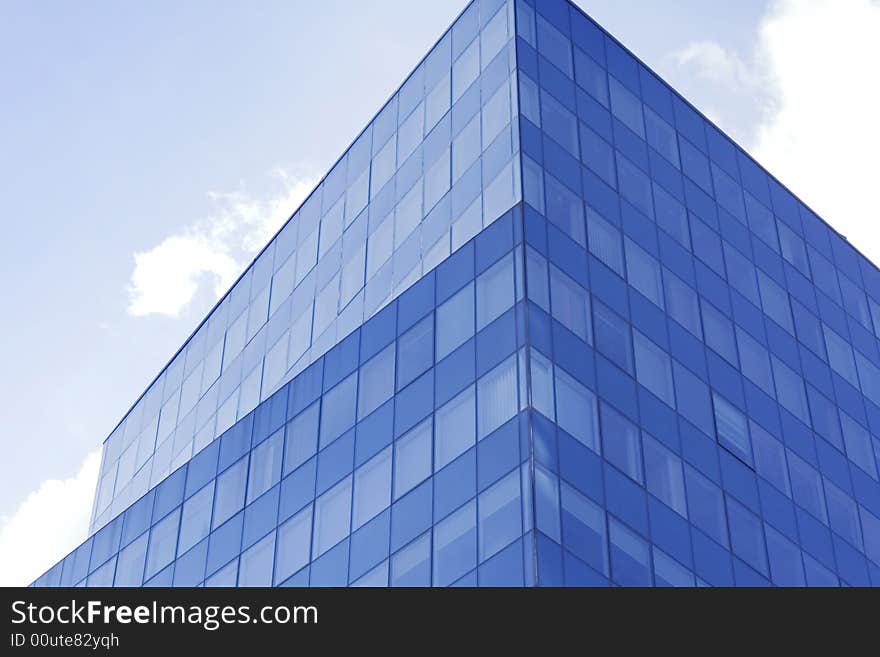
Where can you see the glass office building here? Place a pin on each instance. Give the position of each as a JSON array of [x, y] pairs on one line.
[[542, 324]]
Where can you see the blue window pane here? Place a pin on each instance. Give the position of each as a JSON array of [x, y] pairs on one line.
[[665, 476], [613, 336], [755, 361], [775, 302], [332, 517], [229, 494], [706, 505], [630, 556], [495, 291], [682, 303], [661, 136], [843, 514], [294, 544], [770, 458], [302, 438], [620, 443], [605, 242], [255, 567], [455, 321], [565, 209], [806, 486], [372, 488], [559, 123], [591, 77], [542, 384], [455, 545], [554, 46], [858, 444], [376, 382], [786, 565], [415, 351], [265, 466], [547, 517], [840, 356], [583, 529], [196, 518], [733, 430], [747, 536], [412, 458], [537, 279], [668, 572], [163, 541], [500, 515], [790, 390], [130, 565], [576, 410], [571, 304], [643, 273], [719, 332], [338, 410], [496, 397], [455, 428], [654, 368], [411, 566], [627, 108]]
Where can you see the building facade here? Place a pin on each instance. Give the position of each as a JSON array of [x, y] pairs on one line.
[[542, 324]]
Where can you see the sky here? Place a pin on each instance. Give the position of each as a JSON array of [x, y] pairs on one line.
[[147, 151]]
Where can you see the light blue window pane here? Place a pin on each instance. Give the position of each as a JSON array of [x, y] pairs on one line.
[[668, 572], [465, 69], [465, 148], [747, 536], [817, 574], [682, 303], [533, 183], [130, 565], [496, 114], [377, 382], [653, 368], [790, 390], [672, 216], [294, 544], [437, 101], [605, 242], [571, 304], [840, 356], [806, 487], [411, 566], [163, 541], [455, 321], [338, 412], [620, 443], [858, 444], [229, 495], [554, 46], [871, 527], [635, 186], [719, 332], [661, 136], [665, 476], [770, 458], [496, 397], [630, 556], [583, 529], [372, 488], [547, 503], [500, 519], [226, 576], [412, 458], [565, 209], [775, 302], [576, 410], [437, 181], [495, 291], [542, 384], [627, 107], [643, 273], [332, 517], [613, 336], [455, 545], [793, 248], [536, 275], [843, 514], [706, 505], [733, 430], [529, 99], [265, 465], [196, 518], [376, 578], [755, 360], [455, 428], [591, 77], [741, 274], [255, 567], [869, 374], [302, 438]]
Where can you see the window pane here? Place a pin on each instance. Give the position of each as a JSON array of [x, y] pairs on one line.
[[196, 518], [495, 291], [653, 368], [265, 466], [583, 529], [612, 336], [790, 390], [576, 410], [630, 556], [332, 517], [372, 488], [294, 543], [229, 497], [665, 476], [302, 438], [411, 566], [571, 304], [643, 273], [455, 545], [412, 458], [500, 515], [770, 458], [806, 487], [415, 351], [536, 275], [163, 541], [455, 431], [377, 382], [627, 107], [706, 505], [858, 444], [256, 564], [338, 413], [733, 431], [565, 209], [496, 397], [605, 242], [719, 333], [542, 384], [455, 321], [620, 443]]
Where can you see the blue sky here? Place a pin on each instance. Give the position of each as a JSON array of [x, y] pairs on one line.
[[133, 136]]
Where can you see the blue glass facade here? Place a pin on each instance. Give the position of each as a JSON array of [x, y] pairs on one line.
[[658, 368]]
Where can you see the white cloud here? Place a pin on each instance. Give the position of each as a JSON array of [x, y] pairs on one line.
[[715, 63], [822, 136], [50, 522], [213, 250]]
